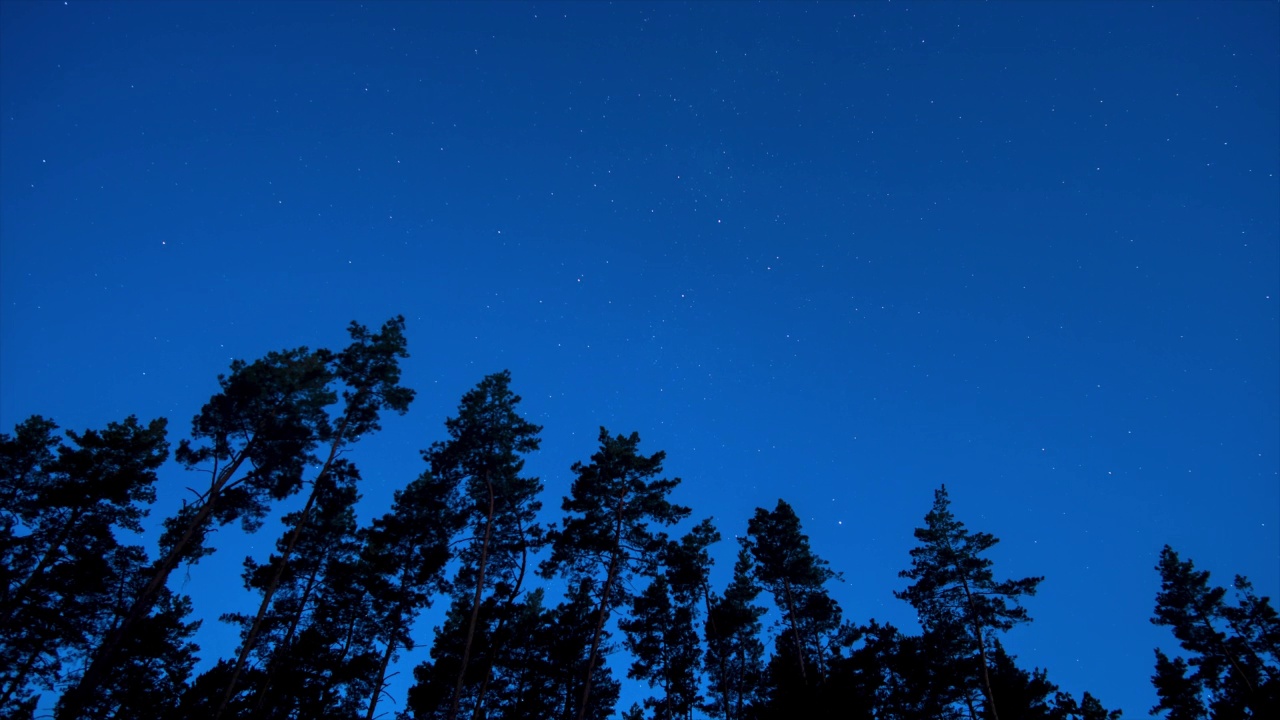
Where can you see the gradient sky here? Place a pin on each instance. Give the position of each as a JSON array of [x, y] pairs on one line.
[[836, 253]]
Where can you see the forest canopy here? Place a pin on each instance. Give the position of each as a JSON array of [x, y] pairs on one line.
[[541, 619]]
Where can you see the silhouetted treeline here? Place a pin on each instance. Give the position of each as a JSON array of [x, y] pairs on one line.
[[93, 622]]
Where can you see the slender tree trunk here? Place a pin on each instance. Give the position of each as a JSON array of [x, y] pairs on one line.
[[795, 630], [386, 661], [74, 699], [595, 638], [475, 604], [281, 563], [498, 632], [982, 649]]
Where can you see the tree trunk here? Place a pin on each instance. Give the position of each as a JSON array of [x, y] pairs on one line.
[[982, 649], [269, 593], [595, 639], [795, 630], [502, 624], [475, 603], [386, 661]]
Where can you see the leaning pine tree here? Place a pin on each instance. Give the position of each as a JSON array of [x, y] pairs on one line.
[[254, 438], [1232, 668], [368, 371]]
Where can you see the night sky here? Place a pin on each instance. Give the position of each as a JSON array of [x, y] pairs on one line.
[[835, 253]]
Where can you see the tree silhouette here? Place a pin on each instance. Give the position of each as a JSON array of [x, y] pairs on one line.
[[61, 562], [735, 655], [483, 459], [796, 577], [607, 535], [960, 604], [403, 561], [1234, 650], [369, 372]]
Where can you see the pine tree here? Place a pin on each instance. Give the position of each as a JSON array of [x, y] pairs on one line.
[[482, 458], [1233, 650], [323, 545], [664, 649], [403, 562], [735, 655], [608, 535], [255, 438], [796, 577], [152, 665], [268, 417], [368, 371], [63, 505], [662, 630], [960, 604]]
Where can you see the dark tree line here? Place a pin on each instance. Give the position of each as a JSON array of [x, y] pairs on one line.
[[91, 619]]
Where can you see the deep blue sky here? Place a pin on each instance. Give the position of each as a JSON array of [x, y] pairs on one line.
[[837, 253]]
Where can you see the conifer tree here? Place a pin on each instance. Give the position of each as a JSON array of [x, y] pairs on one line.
[[735, 654], [255, 438], [796, 577], [608, 537], [62, 572], [403, 562], [323, 545], [664, 650], [662, 630], [482, 458], [267, 417], [368, 371], [960, 604], [1233, 664]]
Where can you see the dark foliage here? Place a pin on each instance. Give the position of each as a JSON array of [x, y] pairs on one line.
[[960, 603], [1232, 669], [88, 614], [608, 536]]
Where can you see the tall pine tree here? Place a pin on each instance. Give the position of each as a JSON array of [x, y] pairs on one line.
[[796, 577], [608, 535], [368, 371], [403, 562], [735, 654], [960, 603], [662, 632], [483, 459]]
